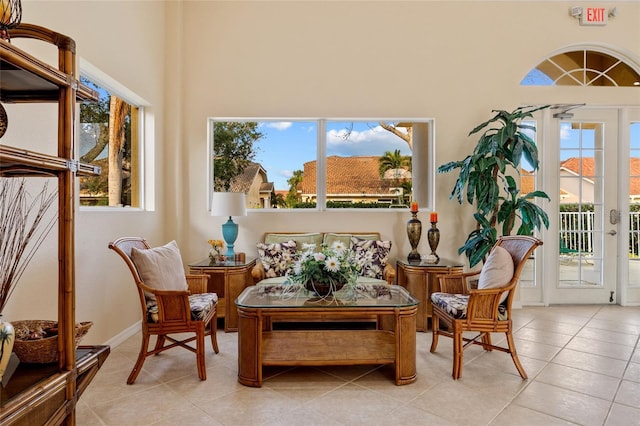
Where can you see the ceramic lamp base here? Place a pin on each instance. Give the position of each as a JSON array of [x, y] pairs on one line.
[[230, 233]]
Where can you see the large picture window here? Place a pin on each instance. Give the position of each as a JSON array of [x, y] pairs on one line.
[[322, 164]]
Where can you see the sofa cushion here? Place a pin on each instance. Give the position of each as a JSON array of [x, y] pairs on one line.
[[330, 238], [371, 255], [160, 268], [300, 239], [276, 257]]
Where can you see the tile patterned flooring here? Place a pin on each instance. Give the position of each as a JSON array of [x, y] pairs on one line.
[[583, 364]]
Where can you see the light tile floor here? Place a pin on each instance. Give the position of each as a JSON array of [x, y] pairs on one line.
[[583, 364]]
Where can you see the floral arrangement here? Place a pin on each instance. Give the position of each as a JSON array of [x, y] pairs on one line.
[[216, 248], [332, 266]]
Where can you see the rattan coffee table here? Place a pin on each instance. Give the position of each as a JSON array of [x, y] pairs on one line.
[[391, 341]]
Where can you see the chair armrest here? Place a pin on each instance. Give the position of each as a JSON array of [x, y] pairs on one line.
[[197, 283], [483, 304], [257, 273], [455, 283], [389, 274]]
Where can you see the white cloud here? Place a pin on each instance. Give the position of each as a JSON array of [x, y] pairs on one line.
[[373, 141], [565, 131], [285, 173], [280, 125]]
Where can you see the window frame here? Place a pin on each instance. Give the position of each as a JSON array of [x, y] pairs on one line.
[[427, 165], [139, 158]]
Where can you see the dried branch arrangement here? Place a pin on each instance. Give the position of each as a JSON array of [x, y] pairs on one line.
[[22, 230]]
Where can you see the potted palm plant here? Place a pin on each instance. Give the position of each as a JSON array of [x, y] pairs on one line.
[[486, 181]]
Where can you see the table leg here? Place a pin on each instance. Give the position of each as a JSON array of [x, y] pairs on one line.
[[249, 348], [405, 334]]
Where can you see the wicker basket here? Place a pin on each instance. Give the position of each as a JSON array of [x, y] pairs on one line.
[[45, 350]]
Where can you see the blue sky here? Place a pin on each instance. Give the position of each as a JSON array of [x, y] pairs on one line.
[[286, 146]]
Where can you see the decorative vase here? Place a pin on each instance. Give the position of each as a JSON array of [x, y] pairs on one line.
[[433, 236], [213, 255], [414, 231], [7, 338], [322, 289]]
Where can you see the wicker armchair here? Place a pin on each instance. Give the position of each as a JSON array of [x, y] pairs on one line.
[[485, 311], [174, 311]]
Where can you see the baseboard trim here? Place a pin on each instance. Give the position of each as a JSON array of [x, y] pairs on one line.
[[118, 339]]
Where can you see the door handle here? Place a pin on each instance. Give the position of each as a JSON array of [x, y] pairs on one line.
[[612, 232]]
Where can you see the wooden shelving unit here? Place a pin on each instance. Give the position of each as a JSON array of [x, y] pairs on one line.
[[48, 394]]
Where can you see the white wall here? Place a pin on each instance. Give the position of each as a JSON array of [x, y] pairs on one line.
[[453, 61], [126, 41]]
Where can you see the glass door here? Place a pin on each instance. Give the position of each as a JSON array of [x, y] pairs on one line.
[[630, 214], [588, 218]]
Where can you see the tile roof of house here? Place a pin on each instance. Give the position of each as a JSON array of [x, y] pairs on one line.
[[348, 175], [243, 181], [573, 165]]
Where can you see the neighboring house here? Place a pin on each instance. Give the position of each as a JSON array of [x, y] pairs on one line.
[[573, 188], [353, 179], [253, 182]]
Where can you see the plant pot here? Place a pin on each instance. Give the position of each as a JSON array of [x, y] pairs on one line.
[[322, 289]]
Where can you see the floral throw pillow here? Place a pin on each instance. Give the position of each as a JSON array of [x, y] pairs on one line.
[[371, 255], [276, 257]]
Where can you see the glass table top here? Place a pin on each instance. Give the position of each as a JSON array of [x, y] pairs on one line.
[[361, 294], [437, 263], [208, 263]]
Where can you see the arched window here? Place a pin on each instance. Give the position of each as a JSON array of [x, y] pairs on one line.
[[583, 67]]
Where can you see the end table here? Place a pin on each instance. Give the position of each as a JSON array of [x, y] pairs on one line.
[[421, 279], [226, 279]]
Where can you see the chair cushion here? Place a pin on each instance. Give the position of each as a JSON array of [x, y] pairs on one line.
[[371, 255], [200, 305], [497, 270], [160, 267], [276, 257], [456, 305]]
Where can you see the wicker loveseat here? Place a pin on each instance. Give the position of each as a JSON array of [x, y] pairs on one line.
[[271, 264]]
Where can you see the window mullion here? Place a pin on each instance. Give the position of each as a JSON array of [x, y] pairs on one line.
[[321, 169]]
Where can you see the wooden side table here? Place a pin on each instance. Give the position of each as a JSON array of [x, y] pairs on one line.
[[421, 279], [227, 280]]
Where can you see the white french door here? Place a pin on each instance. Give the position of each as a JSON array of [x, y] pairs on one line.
[[587, 218], [629, 265]]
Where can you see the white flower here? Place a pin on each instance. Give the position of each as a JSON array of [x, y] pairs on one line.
[[339, 247], [319, 257], [308, 246], [332, 264]]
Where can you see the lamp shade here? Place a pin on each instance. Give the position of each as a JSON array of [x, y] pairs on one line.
[[228, 204]]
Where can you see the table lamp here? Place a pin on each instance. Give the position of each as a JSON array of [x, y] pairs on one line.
[[228, 204]]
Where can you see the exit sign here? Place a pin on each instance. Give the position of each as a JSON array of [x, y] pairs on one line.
[[594, 16]]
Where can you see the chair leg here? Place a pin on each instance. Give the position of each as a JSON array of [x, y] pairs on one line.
[[144, 346], [514, 356], [214, 333], [159, 342], [458, 352], [486, 341], [435, 327], [202, 368]]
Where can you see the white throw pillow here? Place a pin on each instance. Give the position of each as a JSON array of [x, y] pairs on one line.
[[497, 270], [160, 267]]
